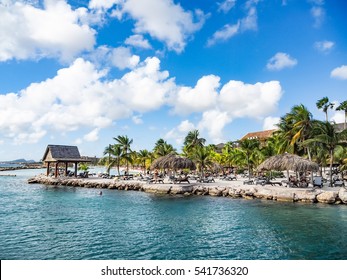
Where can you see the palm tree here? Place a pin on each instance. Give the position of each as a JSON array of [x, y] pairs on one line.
[[249, 147], [324, 104], [143, 156], [192, 140], [162, 148], [325, 133], [301, 120], [343, 107], [202, 158], [283, 136], [113, 158], [125, 144]]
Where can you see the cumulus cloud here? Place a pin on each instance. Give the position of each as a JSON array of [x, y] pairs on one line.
[[338, 116], [180, 132], [270, 123], [249, 100], [138, 41], [235, 100], [226, 6], [249, 22], [324, 46], [79, 96], [56, 30], [163, 20], [280, 61], [92, 136], [200, 98], [82, 96], [120, 57], [339, 73], [213, 122]]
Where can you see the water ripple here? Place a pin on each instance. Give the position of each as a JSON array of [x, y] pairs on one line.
[[40, 222]]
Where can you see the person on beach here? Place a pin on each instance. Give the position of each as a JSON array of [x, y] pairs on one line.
[[155, 177]]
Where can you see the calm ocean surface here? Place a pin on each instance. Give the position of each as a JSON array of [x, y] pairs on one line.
[[39, 222]]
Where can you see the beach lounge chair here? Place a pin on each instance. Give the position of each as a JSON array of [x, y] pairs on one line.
[[317, 181], [206, 180], [180, 179]]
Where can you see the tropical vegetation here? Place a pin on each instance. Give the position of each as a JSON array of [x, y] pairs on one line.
[[297, 133]]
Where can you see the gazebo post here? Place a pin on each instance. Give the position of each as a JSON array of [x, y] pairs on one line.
[[65, 172], [76, 169], [47, 172], [56, 169]]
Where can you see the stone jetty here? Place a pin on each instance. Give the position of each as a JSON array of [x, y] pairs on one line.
[[220, 188]]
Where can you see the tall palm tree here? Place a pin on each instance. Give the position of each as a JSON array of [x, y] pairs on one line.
[[325, 133], [113, 156], [192, 140], [162, 148], [125, 144], [249, 147], [202, 158], [343, 107], [324, 104], [301, 119], [143, 156], [284, 136]]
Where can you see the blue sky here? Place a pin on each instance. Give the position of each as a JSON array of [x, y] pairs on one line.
[[81, 72]]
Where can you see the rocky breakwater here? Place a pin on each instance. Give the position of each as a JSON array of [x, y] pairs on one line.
[[308, 195]]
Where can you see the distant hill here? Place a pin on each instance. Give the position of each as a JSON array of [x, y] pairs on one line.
[[22, 160]]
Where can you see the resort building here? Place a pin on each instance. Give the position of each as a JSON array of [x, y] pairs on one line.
[[262, 136], [60, 154]]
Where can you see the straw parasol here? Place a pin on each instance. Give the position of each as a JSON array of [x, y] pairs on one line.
[[288, 162], [173, 161]]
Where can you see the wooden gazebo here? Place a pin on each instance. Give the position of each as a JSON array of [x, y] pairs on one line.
[[57, 154]]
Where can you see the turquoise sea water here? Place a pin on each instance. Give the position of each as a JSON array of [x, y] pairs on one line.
[[40, 222]]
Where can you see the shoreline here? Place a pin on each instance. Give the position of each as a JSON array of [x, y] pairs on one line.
[[219, 188], [28, 166]]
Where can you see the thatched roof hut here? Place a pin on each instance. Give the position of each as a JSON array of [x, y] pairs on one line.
[[288, 162], [173, 161], [62, 154]]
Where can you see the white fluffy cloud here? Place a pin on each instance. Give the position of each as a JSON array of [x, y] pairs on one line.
[[179, 133], [249, 100], [138, 41], [339, 73], [213, 122], [200, 98], [56, 30], [249, 22], [81, 97], [280, 61], [92, 136], [161, 19], [78, 97], [270, 123], [324, 46], [122, 58], [235, 100]]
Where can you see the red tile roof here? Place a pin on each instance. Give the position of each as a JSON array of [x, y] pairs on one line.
[[260, 135]]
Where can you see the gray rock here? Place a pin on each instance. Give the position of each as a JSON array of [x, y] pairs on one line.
[[343, 195], [327, 197]]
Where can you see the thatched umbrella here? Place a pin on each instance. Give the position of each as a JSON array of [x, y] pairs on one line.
[[288, 162], [173, 161]]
